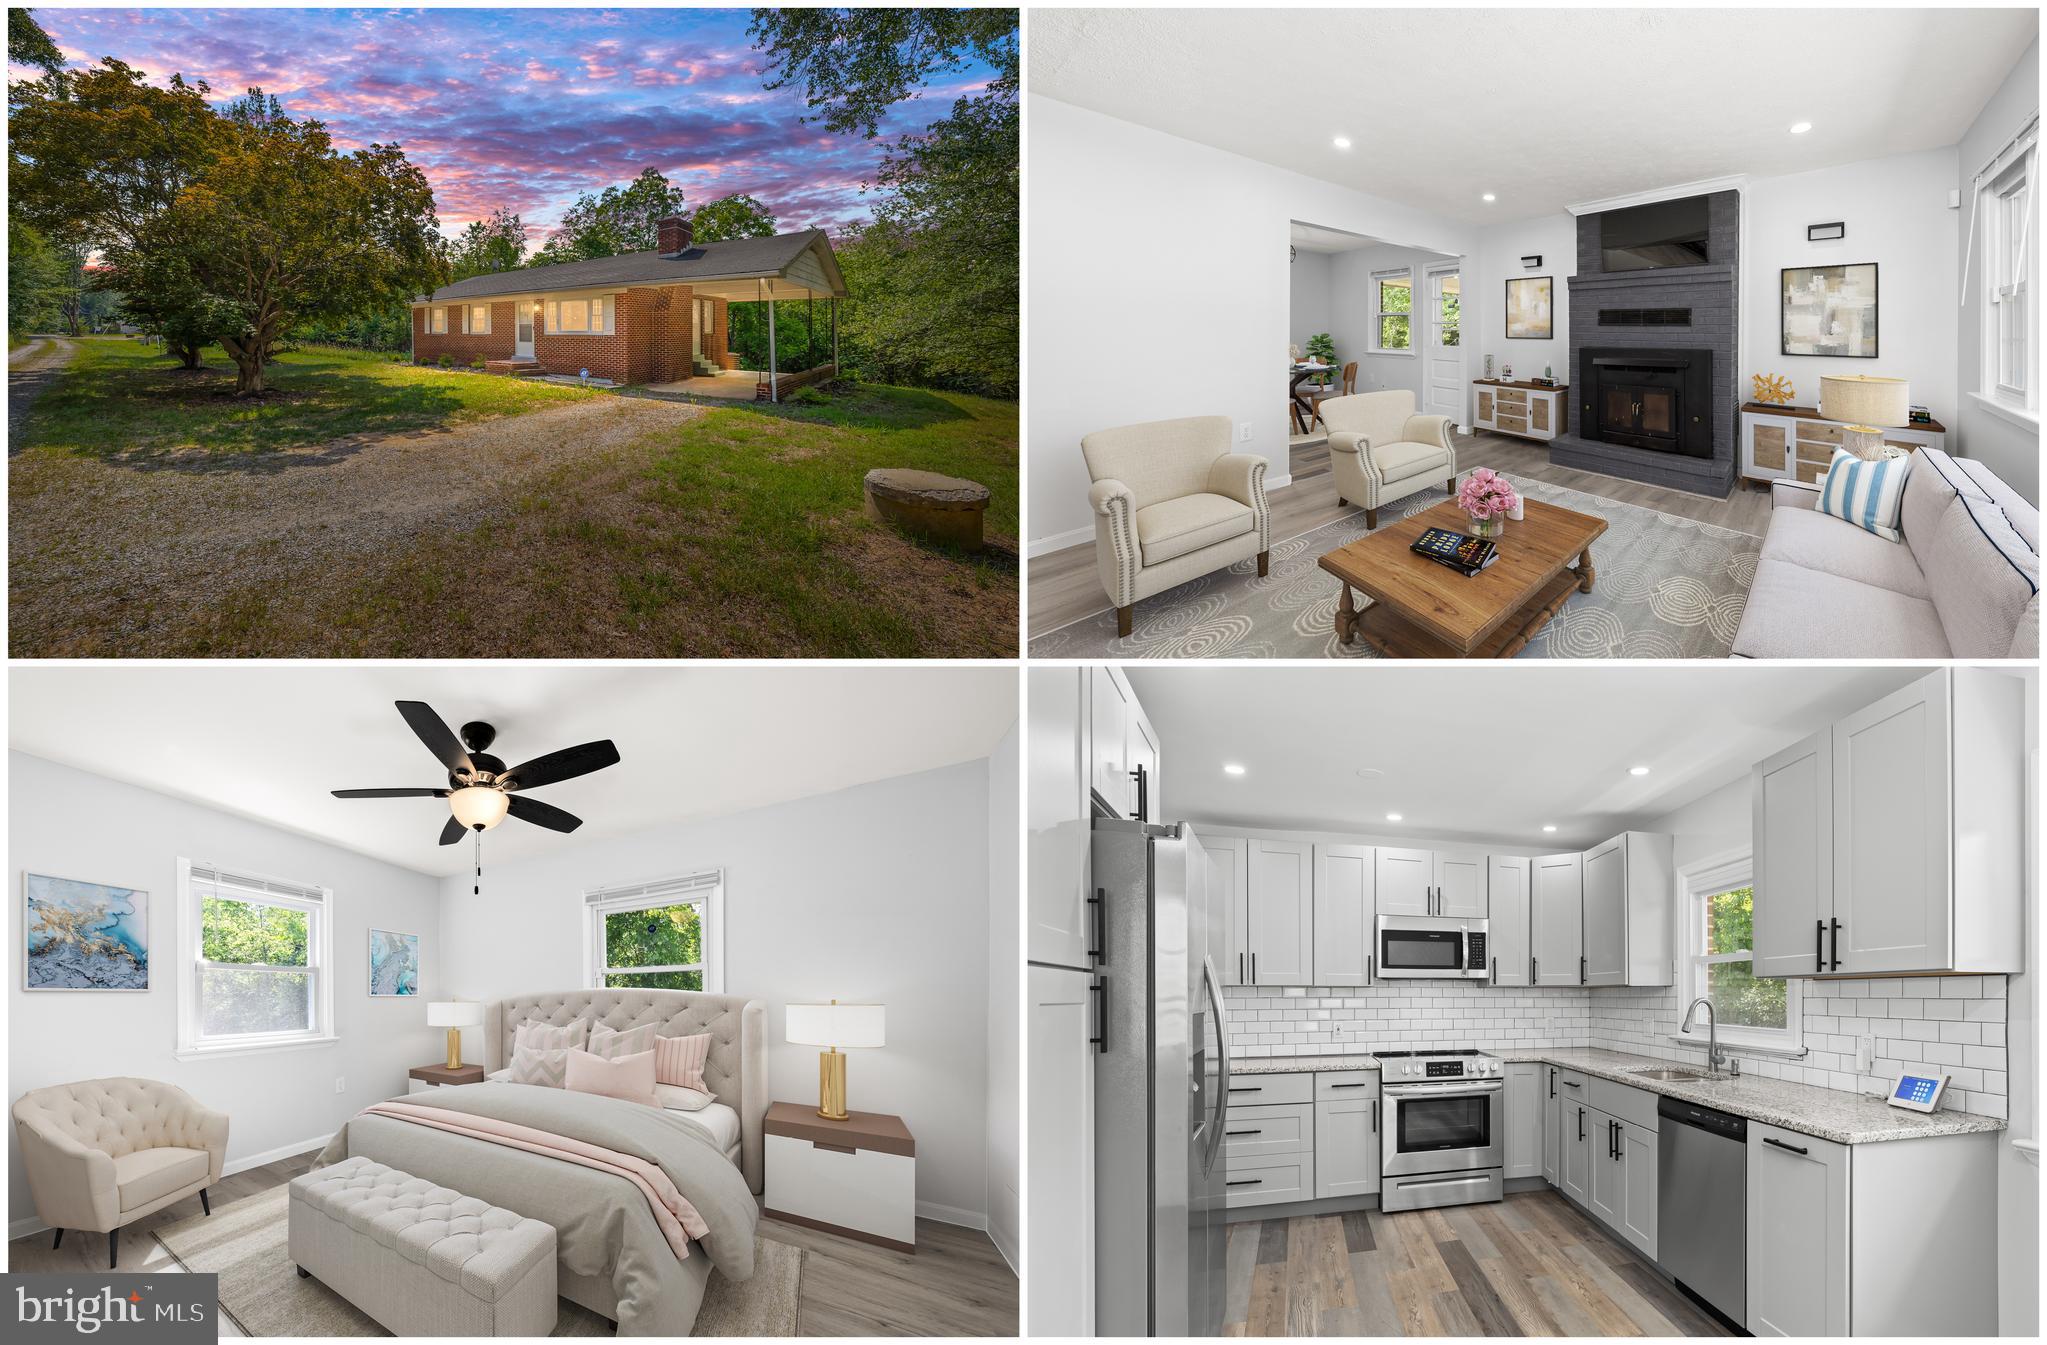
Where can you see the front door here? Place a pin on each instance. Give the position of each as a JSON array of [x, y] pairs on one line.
[[522, 344], [1445, 351]]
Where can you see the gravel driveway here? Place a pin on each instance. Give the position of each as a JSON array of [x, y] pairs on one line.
[[29, 371], [130, 559]]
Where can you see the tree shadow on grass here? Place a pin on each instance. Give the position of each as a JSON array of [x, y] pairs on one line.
[[863, 406]]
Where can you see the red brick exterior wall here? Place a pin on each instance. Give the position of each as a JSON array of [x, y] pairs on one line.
[[572, 352], [428, 347], [716, 349]]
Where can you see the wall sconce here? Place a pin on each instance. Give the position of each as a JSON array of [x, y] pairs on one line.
[[1825, 233], [1532, 262]]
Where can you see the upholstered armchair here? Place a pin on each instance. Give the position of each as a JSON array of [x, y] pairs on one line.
[[1381, 451], [1172, 503], [101, 1154]]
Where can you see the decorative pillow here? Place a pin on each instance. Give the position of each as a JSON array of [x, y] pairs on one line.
[[1867, 494], [629, 1077], [682, 1099], [679, 1061], [546, 1068], [611, 1045], [550, 1038], [501, 1076]]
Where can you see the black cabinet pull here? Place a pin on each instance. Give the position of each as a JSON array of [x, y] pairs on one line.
[[1143, 806], [1782, 1145], [1552, 1083], [1614, 1138], [1367, 1084], [1581, 970], [1249, 1089], [1581, 1125], [1099, 992], [1534, 970], [1243, 1132], [1247, 1181], [1100, 901], [1819, 945], [1375, 1116], [1240, 968], [1837, 947], [1569, 1084], [1496, 971]]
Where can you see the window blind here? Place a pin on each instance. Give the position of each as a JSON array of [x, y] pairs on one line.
[[213, 875], [665, 889]]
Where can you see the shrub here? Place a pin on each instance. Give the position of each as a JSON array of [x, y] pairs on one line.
[[447, 361], [477, 364]]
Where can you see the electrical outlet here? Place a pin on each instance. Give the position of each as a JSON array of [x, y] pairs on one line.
[[1865, 1054], [1244, 432], [340, 1084]]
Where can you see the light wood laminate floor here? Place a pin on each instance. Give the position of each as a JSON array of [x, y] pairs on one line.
[[1064, 586], [1532, 1265], [956, 1284]]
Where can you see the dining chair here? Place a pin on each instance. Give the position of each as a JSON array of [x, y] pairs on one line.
[[1350, 387]]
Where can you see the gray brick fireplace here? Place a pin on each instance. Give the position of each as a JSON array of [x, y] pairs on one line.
[[1668, 417]]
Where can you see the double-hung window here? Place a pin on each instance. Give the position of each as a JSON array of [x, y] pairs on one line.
[[437, 321], [258, 953], [2004, 205], [664, 935], [1393, 311], [476, 319], [1719, 936], [581, 317]]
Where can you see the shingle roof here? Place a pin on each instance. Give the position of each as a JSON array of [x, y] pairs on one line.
[[737, 259]]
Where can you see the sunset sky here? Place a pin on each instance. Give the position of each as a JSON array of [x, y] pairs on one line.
[[524, 108]]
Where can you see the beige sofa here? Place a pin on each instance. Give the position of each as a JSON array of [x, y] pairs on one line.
[[1381, 451], [101, 1154], [1964, 583], [1172, 503]]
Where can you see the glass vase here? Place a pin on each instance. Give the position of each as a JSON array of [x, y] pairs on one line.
[[1488, 529]]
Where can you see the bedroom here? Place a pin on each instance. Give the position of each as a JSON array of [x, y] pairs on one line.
[[777, 861]]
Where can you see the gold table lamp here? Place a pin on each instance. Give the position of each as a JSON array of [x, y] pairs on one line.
[[1868, 405], [831, 1026], [454, 1015]]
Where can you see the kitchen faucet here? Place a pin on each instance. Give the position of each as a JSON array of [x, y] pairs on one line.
[[1714, 1058]]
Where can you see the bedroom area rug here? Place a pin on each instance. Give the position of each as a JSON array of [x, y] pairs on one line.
[[1666, 587], [245, 1244]]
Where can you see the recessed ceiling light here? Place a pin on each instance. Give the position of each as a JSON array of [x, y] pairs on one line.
[[1342, 142], [1393, 817], [1369, 773], [1232, 768], [1638, 770], [1489, 197], [1549, 828], [1800, 127]]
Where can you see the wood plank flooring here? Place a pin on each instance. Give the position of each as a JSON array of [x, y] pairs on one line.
[[1532, 1265], [1064, 586], [956, 1284]]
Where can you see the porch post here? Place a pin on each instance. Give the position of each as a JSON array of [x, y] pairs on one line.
[[810, 329], [774, 393], [835, 336]]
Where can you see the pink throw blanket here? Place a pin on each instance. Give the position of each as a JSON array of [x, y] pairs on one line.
[[678, 1218]]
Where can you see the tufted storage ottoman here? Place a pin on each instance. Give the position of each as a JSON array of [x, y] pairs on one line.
[[421, 1259]]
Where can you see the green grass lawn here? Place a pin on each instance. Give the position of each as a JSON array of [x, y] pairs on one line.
[[119, 396]]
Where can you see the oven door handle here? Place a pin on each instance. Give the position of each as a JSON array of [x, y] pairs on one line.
[[1422, 1090]]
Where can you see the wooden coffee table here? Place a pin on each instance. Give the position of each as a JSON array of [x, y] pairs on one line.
[[1420, 609]]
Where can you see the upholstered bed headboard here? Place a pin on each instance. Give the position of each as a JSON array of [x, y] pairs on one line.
[[737, 1069]]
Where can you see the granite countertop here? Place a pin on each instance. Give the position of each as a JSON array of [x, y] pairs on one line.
[[1828, 1113]]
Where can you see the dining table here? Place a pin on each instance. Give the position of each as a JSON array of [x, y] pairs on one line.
[[1297, 373]]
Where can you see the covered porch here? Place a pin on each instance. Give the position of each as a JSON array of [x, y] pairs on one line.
[[746, 385], [810, 280]]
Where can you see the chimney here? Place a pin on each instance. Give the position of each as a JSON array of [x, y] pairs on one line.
[[675, 234]]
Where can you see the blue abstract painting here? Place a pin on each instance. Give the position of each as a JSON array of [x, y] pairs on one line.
[[84, 936], [394, 963]]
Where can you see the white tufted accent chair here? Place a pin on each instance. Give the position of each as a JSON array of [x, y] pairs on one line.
[[1381, 451], [101, 1154]]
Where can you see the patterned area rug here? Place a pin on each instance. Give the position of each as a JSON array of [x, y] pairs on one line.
[[244, 1243], [1666, 587]]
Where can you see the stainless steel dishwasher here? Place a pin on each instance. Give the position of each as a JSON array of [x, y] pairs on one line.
[[1702, 1204]]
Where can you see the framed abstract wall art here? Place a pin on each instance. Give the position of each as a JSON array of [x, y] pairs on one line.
[[394, 963], [1830, 310], [1531, 316], [83, 936]]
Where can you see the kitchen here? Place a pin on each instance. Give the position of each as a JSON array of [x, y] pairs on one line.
[[1444, 1001]]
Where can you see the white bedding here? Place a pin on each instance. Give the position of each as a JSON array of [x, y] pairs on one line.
[[715, 1119]]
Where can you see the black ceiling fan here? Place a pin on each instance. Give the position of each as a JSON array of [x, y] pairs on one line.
[[480, 790]]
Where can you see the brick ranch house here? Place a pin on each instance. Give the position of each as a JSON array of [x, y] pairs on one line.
[[650, 318]]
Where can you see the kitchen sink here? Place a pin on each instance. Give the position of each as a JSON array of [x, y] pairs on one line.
[[1677, 1075]]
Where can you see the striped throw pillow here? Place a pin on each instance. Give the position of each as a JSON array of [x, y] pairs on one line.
[[610, 1045], [679, 1061], [1867, 494]]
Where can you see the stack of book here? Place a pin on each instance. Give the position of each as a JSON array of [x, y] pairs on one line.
[[1463, 553]]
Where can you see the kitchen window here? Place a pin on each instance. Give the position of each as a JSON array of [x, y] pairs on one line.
[[2005, 207], [663, 935], [1393, 311], [1719, 922], [258, 953], [580, 317]]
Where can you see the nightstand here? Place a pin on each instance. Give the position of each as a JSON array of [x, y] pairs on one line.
[[856, 1177], [428, 1077]]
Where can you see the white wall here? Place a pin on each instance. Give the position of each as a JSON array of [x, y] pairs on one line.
[[1897, 216], [1353, 314], [71, 824], [1157, 290], [877, 893], [1005, 989], [2012, 449], [1497, 260], [1307, 297]]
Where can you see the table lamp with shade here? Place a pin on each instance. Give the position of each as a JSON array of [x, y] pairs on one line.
[[833, 1026], [454, 1015], [1866, 406]]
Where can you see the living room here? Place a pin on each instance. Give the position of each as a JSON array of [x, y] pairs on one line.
[[1789, 281]]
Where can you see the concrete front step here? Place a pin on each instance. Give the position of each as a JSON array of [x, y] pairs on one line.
[[517, 368]]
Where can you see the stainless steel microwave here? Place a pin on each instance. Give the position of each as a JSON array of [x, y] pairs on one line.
[[1433, 946]]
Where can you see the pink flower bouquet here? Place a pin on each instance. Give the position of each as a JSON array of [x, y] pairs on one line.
[[1488, 497]]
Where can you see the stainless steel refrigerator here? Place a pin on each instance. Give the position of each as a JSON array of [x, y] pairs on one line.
[[1161, 1079]]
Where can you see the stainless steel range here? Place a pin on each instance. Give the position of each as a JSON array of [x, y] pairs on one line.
[[1444, 1140]]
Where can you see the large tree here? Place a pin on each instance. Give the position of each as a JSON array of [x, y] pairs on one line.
[[494, 243], [731, 217], [28, 44], [855, 64], [614, 221]]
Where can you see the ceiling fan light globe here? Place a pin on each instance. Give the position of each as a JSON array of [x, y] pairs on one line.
[[478, 807]]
